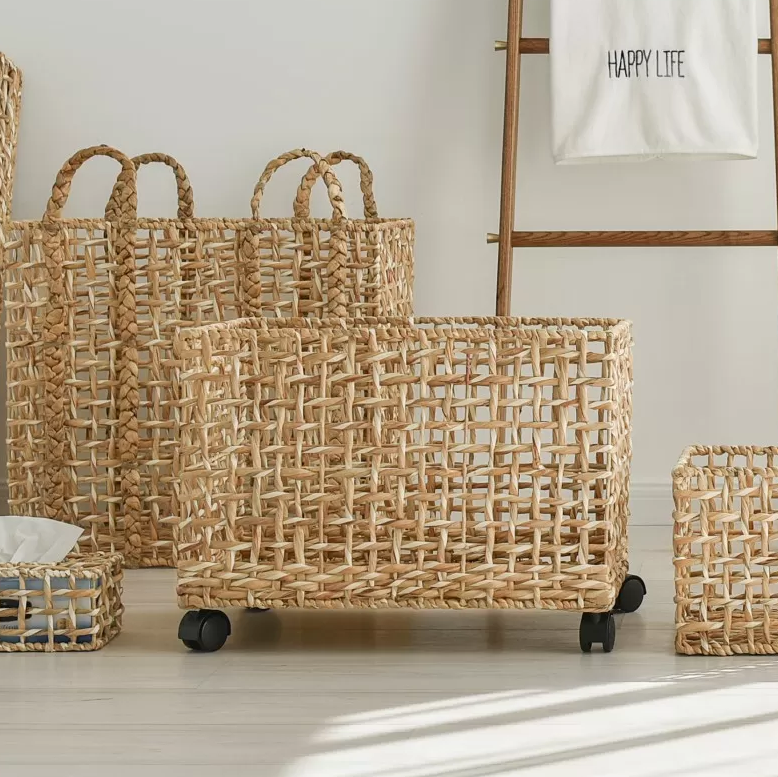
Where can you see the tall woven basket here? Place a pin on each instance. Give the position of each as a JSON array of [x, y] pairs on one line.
[[441, 463], [92, 307], [10, 107]]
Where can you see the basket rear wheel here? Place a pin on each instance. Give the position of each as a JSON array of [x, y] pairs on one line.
[[631, 595]]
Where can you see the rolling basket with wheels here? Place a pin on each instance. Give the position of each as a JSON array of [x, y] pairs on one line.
[[430, 463]]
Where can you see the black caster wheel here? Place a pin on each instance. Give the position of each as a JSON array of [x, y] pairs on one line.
[[631, 595], [597, 629], [204, 631]]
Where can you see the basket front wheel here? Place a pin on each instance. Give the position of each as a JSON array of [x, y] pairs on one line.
[[204, 631], [597, 629]]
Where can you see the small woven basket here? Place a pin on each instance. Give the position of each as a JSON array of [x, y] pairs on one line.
[[726, 551], [437, 463], [72, 606]]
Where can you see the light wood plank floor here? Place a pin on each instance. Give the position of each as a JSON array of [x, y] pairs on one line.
[[391, 694]]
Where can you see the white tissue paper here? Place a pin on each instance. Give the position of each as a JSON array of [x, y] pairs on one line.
[[26, 540]]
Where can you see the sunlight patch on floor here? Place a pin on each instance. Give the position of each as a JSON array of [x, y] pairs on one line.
[[469, 709], [665, 729]]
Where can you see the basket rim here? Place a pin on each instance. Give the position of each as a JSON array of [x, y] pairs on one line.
[[84, 563], [590, 328], [215, 222], [685, 467]]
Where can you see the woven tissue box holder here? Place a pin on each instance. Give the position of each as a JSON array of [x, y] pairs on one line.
[[75, 605]]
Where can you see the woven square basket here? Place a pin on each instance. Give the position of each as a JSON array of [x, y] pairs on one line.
[[726, 551], [72, 606], [436, 463]]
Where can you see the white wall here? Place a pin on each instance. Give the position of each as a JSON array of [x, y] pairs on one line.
[[415, 87]]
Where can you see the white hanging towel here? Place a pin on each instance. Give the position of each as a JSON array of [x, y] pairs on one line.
[[644, 79]]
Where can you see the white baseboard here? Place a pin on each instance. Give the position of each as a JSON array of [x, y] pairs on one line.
[[651, 503]]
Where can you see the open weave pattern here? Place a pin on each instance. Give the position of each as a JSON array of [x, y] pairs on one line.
[[10, 106], [726, 551], [80, 599], [71, 395], [63, 430], [92, 306], [442, 463]]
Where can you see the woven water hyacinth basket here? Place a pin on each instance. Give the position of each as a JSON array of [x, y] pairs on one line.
[[75, 605], [726, 551], [437, 463], [10, 108], [92, 307]]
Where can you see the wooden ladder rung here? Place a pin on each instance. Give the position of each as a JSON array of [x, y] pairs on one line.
[[643, 239], [541, 46]]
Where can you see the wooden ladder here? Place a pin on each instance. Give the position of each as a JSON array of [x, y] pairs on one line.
[[516, 46]]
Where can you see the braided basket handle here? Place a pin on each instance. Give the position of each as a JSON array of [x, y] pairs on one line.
[[302, 205], [184, 187], [126, 183], [324, 171]]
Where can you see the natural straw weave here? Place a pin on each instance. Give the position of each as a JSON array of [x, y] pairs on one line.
[[10, 108], [92, 306], [317, 267], [53, 591], [71, 397], [726, 551], [387, 463]]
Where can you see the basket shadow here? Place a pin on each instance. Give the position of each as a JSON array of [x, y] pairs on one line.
[[154, 629]]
